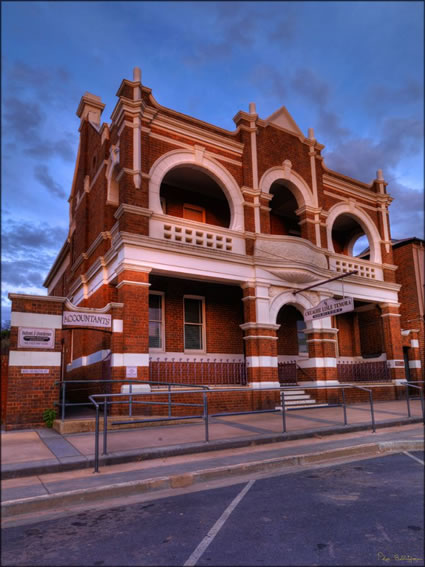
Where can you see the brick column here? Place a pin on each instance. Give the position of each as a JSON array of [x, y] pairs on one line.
[[415, 365], [392, 339], [34, 373], [260, 345], [130, 337], [321, 365]]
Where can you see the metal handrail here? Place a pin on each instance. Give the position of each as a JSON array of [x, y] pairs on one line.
[[63, 383], [421, 395], [204, 405]]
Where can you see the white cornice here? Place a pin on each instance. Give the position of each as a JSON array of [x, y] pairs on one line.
[[50, 298], [350, 186], [133, 209]]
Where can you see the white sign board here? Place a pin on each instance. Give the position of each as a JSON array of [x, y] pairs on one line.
[[33, 337], [131, 371], [83, 319], [329, 307], [35, 371]]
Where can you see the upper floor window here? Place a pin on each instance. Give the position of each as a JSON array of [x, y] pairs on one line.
[[156, 321], [194, 328]]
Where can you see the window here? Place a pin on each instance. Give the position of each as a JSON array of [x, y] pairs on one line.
[[156, 326], [193, 212], [194, 323], [302, 339]]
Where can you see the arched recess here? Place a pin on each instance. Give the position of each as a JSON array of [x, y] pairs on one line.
[[363, 220], [294, 181], [213, 168], [288, 298], [112, 197]]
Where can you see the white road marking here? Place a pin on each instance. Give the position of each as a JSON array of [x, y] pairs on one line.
[[413, 457], [199, 551]]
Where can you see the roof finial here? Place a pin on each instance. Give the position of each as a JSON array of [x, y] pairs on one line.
[[252, 109], [380, 175], [137, 75], [311, 134]]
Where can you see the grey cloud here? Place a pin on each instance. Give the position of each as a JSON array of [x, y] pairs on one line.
[[43, 148], [21, 117], [361, 157], [21, 274], [41, 173], [406, 211], [410, 92], [311, 86], [268, 79], [329, 126], [26, 238]]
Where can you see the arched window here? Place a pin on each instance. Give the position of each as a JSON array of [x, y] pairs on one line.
[[348, 237], [190, 193], [283, 218]]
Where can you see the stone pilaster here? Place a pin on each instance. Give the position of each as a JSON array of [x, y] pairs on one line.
[[392, 339]]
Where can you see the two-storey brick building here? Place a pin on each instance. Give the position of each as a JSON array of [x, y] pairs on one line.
[[199, 242]]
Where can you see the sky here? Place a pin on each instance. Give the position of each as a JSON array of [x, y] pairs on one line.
[[353, 71]]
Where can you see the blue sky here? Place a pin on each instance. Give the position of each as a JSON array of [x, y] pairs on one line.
[[354, 71]]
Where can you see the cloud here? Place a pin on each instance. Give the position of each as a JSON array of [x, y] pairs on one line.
[[308, 84], [269, 80], [406, 211], [41, 173], [43, 148], [410, 92], [329, 126], [21, 118], [361, 157], [28, 238]]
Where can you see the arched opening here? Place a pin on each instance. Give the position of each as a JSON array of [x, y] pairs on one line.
[[348, 236], [283, 218], [188, 192], [360, 332], [292, 340]]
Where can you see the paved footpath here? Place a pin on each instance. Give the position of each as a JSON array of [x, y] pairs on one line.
[[42, 469]]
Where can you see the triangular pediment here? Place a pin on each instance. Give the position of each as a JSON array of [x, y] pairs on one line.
[[283, 119]]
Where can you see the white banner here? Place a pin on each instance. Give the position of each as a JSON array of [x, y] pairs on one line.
[[329, 307], [35, 337], [82, 319]]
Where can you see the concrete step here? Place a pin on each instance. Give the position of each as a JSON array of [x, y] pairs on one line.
[[307, 401], [293, 392], [297, 397]]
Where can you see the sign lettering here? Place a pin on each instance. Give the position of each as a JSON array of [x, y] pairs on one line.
[[82, 319], [329, 307], [33, 337]]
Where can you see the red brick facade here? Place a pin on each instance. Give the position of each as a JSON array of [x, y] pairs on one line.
[[198, 243]]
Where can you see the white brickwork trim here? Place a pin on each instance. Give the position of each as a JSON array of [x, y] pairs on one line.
[[264, 385], [33, 358], [87, 360], [262, 361], [129, 359], [414, 343], [415, 364], [318, 363], [125, 388], [40, 320], [117, 326]]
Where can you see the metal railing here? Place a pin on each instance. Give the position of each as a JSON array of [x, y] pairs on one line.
[[63, 404], [377, 371], [103, 400], [287, 372], [421, 395]]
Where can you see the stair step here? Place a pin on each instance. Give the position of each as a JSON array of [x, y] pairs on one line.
[[297, 397], [299, 402], [293, 393]]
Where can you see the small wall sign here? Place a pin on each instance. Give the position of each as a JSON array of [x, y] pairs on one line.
[[34, 337], [35, 371], [83, 319], [329, 307], [131, 371]]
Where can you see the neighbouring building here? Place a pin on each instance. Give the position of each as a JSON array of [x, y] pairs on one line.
[[187, 258]]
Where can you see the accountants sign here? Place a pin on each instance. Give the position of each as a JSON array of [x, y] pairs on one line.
[[329, 307], [82, 319]]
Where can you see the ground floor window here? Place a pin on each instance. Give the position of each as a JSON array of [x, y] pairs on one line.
[[194, 330], [156, 324], [302, 339]]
